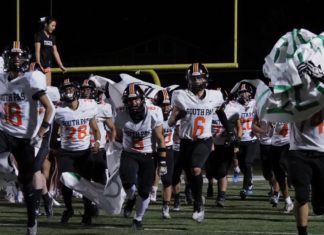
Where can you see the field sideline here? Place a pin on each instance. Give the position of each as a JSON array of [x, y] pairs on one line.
[[254, 216]]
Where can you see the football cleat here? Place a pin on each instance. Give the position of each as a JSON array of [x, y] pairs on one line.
[[166, 212], [220, 201], [243, 194], [288, 208], [49, 208], [249, 191], [67, 214], [236, 176], [86, 220], [199, 216], [137, 225], [274, 200], [176, 205], [32, 230]]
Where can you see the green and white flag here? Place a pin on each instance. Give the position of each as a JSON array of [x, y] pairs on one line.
[[294, 97], [109, 197], [111, 201]]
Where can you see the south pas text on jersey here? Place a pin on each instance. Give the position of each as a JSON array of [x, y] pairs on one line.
[[200, 111], [247, 115], [13, 97], [137, 133], [75, 122]]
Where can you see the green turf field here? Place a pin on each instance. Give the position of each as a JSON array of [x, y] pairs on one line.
[[251, 216]]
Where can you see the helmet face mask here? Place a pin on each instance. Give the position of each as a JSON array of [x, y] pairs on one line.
[[245, 93], [133, 99], [196, 84], [197, 77], [87, 93], [134, 104], [88, 89], [166, 109], [16, 60], [132, 91], [69, 91]]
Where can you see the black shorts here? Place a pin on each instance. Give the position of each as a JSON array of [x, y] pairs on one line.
[[137, 169], [219, 162], [76, 161], [248, 152], [279, 162], [305, 169], [23, 152], [195, 153]]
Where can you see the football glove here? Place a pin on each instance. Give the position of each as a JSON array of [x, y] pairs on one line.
[[232, 140], [36, 141]]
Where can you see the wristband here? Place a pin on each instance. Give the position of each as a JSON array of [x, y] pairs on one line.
[[45, 125]]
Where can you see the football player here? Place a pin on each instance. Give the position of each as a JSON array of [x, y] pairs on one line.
[[21, 92], [195, 107], [88, 89], [163, 100], [140, 127], [278, 152], [75, 118], [249, 143]]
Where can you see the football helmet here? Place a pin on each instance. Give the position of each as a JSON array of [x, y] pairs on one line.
[[133, 99], [69, 91], [197, 77], [162, 97], [88, 89], [245, 93], [163, 100], [16, 59]]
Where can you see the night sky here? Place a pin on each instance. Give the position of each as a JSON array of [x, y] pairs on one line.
[[89, 33]]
